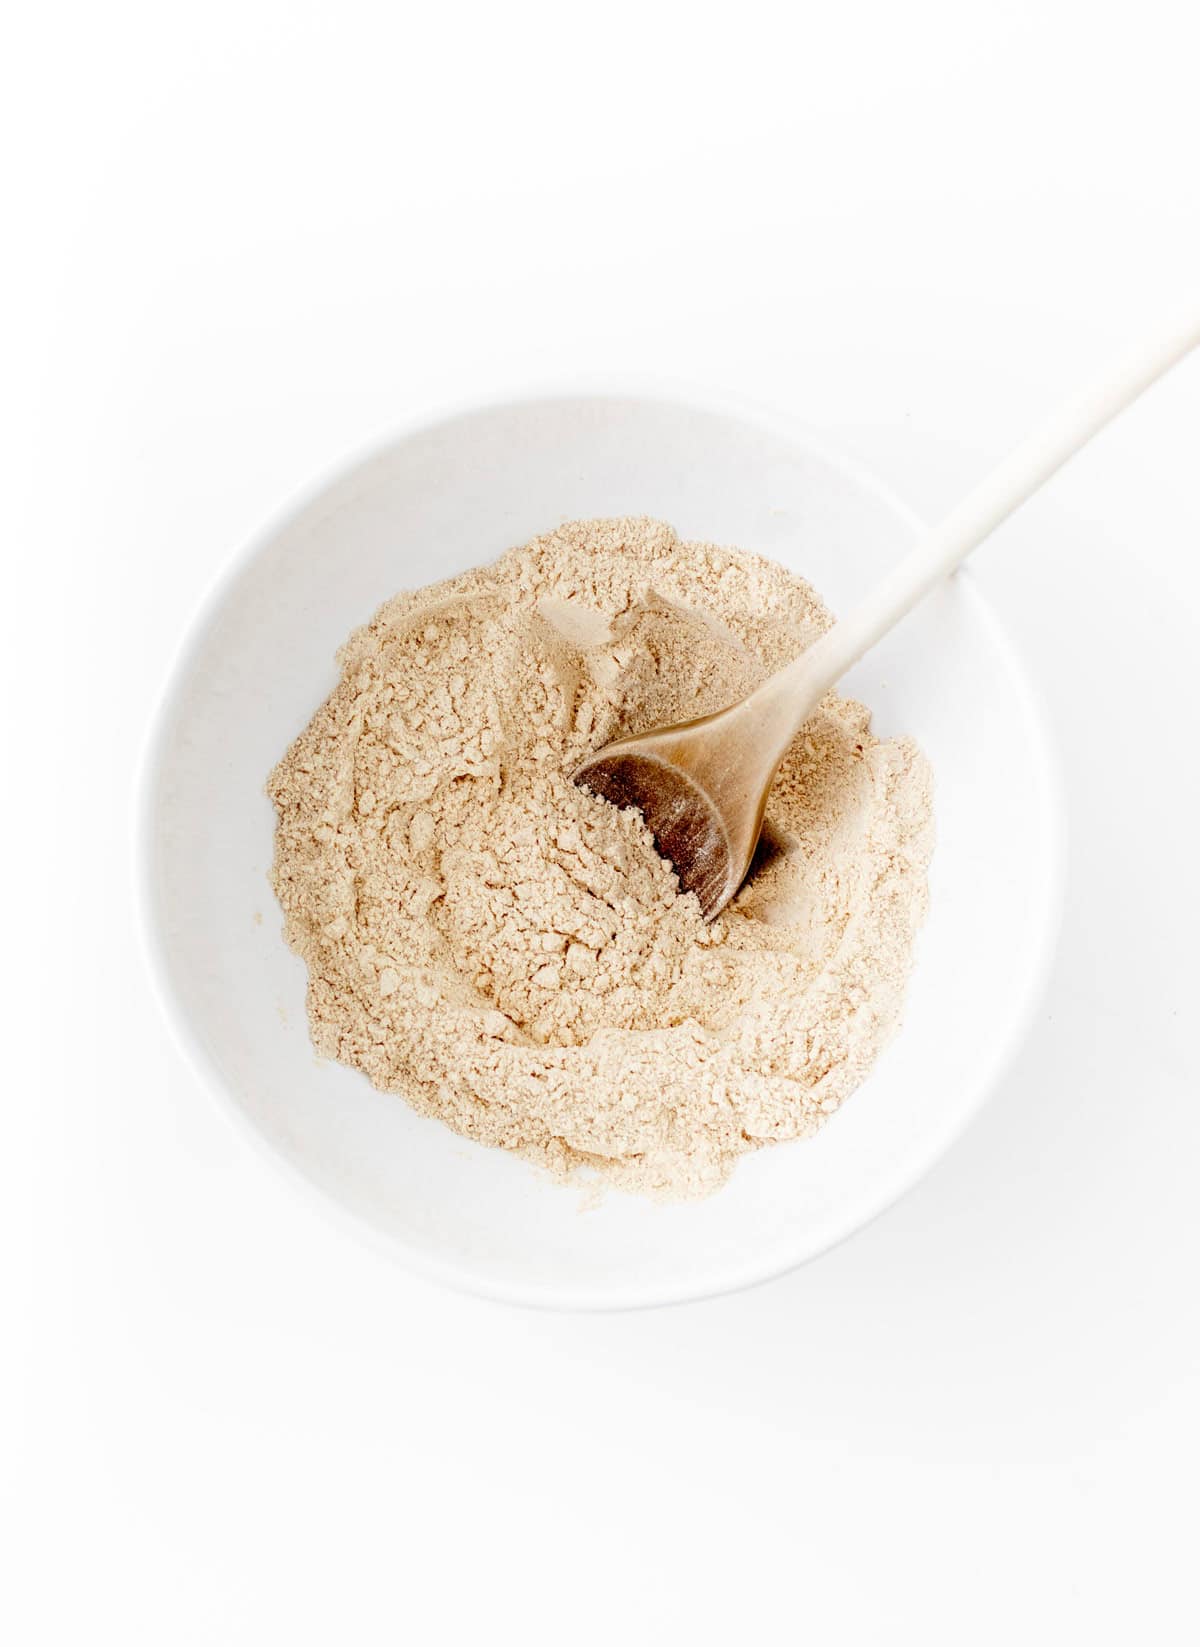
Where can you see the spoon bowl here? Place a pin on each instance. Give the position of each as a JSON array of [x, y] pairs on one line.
[[701, 804]]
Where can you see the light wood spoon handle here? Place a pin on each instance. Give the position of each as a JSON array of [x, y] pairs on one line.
[[793, 693]]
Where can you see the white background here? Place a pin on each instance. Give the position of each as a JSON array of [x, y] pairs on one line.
[[244, 240]]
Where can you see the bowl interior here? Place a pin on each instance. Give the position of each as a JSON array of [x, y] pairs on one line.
[[450, 496]]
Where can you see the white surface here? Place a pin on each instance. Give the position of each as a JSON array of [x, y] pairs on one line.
[[260, 659], [245, 239]]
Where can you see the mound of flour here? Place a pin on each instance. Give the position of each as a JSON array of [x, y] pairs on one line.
[[508, 952]]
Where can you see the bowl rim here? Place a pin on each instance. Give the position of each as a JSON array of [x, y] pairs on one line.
[[746, 1271]]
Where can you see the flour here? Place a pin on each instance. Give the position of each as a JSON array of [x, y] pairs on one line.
[[508, 952]]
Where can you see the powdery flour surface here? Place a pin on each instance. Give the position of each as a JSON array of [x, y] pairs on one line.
[[508, 952]]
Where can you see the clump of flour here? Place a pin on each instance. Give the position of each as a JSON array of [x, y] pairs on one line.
[[508, 952]]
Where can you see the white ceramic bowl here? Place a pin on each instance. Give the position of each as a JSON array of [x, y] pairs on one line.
[[449, 495]]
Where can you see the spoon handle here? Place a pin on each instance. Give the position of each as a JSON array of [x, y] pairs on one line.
[[1026, 468]]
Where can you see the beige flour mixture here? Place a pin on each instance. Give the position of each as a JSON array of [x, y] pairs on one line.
[[508, 952]]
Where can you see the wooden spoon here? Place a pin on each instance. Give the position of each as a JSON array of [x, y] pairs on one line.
[[702, 786]]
